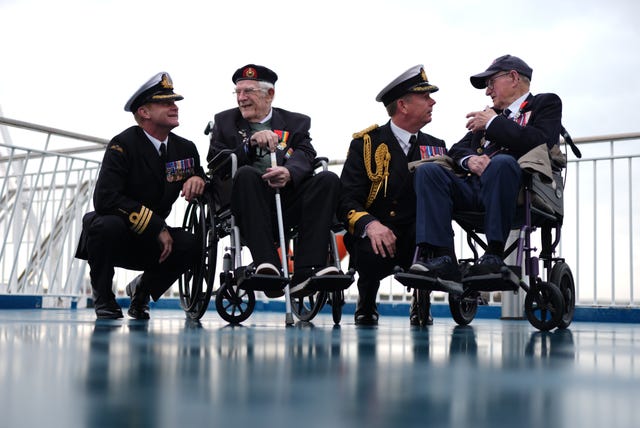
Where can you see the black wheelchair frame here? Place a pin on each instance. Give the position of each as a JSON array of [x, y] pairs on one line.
[[209, 218], [548, 303]]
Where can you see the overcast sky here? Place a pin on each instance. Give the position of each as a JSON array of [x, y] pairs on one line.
[[73, 64]]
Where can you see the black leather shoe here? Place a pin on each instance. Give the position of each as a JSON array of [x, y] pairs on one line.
[[109, 312], [366, 319], [487, 264], [414, 315], [139, 306], [438, 267]]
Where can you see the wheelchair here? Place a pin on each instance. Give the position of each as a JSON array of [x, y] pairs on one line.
[[209, 218], [549, 303]]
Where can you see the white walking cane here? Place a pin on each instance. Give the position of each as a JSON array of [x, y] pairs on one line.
[[283, 249]]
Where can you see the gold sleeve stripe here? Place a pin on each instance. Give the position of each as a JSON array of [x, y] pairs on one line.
[[353, 217], [140, 221]]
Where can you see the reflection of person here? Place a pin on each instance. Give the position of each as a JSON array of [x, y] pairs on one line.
[[488, 155], [253, 130], [378, 201], [143, 171]]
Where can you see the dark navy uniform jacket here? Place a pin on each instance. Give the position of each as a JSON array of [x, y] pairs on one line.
[[543, 113], [232, 131], [395, 204], [134, 183]]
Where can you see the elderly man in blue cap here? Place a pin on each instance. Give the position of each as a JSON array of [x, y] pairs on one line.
[[144, 170], [488, 176]]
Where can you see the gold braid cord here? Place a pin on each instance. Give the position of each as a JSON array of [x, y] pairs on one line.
[[382, 158]]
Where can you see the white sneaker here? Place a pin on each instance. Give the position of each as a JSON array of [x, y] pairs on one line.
[[267, 269], [302, 277]]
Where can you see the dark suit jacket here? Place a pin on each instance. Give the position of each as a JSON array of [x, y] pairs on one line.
[[544, 113], [232, 131], [398, 206], [135, 185]]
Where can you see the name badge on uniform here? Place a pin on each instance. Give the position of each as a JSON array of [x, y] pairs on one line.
[[180, 169], [427, 152]]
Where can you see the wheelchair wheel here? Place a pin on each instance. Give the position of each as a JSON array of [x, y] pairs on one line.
[[196, 284], [307, 307], [233, 303], [544, 306], [561, 276], [463, 309], [337, 302]]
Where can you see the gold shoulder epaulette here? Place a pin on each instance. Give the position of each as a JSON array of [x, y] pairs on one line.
[[364, 131]]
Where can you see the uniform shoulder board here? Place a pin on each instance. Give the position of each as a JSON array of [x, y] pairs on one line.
[[364, 131]]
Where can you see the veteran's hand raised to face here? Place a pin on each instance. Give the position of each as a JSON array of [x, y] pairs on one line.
[[478, 119]]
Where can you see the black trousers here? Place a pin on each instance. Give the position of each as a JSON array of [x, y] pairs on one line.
[[110, 243], [372, 268], [311, 207]]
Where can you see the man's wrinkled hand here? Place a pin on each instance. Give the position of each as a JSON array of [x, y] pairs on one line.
[[383, 240], [166, 244], [277, 177], [192, 188], [265, 139]]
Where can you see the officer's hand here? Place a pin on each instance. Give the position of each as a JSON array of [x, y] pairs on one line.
[[265, 139], [277, 177], [383, 240], [478, 119], [477, 164], [193, 187], [166, 244]]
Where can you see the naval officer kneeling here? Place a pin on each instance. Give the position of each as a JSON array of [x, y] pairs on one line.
[[144, 170]]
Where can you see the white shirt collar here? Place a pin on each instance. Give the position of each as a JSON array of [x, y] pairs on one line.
[[515, 106], [267, 117], [402, 136], [155, 141]]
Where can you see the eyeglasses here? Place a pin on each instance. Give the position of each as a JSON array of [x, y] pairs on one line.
[[491, 81], [247, 91]]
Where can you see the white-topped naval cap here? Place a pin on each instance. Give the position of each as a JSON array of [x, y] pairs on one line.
[[157, 89], [412, 80]]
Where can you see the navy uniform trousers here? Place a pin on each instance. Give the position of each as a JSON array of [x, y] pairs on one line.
[[440, 193], [311, 206], [372, 268], [110, 243]]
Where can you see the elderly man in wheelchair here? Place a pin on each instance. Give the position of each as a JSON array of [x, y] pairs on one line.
[[267, 155], [482, 173]]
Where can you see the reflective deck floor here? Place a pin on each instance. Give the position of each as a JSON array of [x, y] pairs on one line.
[[62, 368]]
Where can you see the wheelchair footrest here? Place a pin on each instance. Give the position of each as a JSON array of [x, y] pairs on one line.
[[329, 283], [248, 281], [504, 280], [423, 282]]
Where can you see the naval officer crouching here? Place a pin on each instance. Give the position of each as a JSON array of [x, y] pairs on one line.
[[378, 202], [144, 170]]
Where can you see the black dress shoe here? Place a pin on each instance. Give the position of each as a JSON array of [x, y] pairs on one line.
[[414, 316], [366, 319], [139, 306], [108, 312]]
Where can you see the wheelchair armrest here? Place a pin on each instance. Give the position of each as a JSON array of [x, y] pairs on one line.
[[321, 162], [222, 160]]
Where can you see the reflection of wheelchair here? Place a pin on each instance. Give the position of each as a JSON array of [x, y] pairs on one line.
[[209, 218], [548, 303]]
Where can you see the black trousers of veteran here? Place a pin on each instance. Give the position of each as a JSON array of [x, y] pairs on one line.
[[110, 243], [372, 268], [310, 206]]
